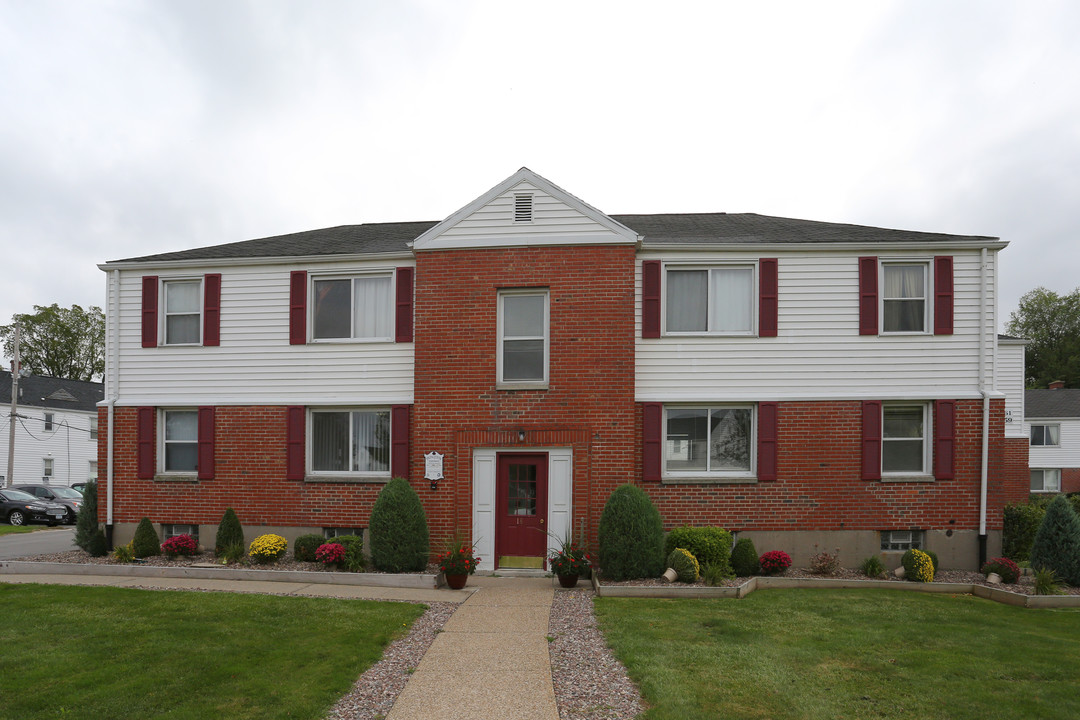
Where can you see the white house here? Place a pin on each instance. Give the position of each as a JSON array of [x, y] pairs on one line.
[[1052, 421]]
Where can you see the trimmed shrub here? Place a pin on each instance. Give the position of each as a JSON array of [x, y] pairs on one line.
[[398, 530], [918, 566], [774, 562], [304, 547], [230, 533], [1020, 522], [933, 559], [146, 542], [631, 536], [1057, 542], [268, 548], [1004, 567], [86, 520], [710, 545], [354, 560], [685, 565], [744, 558], [872, 567]]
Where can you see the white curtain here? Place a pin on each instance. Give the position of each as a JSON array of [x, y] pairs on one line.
[[371, 441], [733, 299], [371, 308], [687, 301]]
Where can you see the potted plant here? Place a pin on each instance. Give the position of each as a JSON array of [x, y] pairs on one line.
[[457, 564], [569, 562]]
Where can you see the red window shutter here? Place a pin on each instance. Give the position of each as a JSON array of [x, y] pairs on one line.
[[868, 296], [212, 309], [298, 307], [294, 442], [652, 435], [404, 305], [149, 311], [768, 297], [206, 443], [943, 295], [650, 299], [871, 440], [144, 442], [767, 423], [399, 440], [944, 439]]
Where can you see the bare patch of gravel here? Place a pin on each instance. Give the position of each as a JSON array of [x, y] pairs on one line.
[[590, 684]]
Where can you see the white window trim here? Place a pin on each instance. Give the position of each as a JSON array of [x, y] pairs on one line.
[[48, 469], [169, 530], [164, 309], [927, 439], [522, 384], [928, 294], [93, 429], [348, 474], [1044, 425], [730, 475], [371, 272], [755, 292], [1044, 491], [49, 422], [161, 442]]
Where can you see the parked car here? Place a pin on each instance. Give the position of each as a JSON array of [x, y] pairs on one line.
[[71, 499], [81, 487], [21, 507]]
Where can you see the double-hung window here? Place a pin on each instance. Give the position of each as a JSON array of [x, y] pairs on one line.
[[350, 441], [903, 299], [180, 441], [904, 444], [716, 440], [716, 300], [1048, 481], [523, 337], [357, 308], [1045, 435], [182, 311]]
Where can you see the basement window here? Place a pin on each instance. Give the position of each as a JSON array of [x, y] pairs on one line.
[[901, 540], [170, 530]]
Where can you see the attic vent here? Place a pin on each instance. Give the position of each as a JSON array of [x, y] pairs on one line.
[[61, 394], [523, 208]]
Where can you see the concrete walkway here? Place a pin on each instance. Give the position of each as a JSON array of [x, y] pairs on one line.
[[491, 659]]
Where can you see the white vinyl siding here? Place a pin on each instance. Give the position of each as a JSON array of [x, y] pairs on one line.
[[255, 364], [818, 353], [68, 445], [1009, 380], [1066, 454]]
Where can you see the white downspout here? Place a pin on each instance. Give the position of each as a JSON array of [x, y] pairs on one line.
[[112, 391], [985, 391]]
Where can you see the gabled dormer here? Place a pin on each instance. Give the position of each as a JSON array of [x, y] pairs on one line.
[[525, 210]]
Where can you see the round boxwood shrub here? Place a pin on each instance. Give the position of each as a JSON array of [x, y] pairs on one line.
[[918, 566], [146, 542], [230, 534], [631, 536], [1057, 542], [304, 547], [744, 558], [685, 565], [398, 530], [710, 545]]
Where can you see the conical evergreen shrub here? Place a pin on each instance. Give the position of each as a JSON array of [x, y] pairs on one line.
[[744, 558], [398, 529], [230, 533], [86, 521], [98, 546], [1057, 542], [146, 542], [631, 536]]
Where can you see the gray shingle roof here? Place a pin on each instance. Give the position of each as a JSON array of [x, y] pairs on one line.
[[50, 392], [1063, 403], [671, 228]]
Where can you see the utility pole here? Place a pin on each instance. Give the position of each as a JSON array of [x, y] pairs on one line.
[[15, 370]]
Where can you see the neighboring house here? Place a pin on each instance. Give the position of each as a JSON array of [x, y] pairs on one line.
[[813, 385], [56, 428], [1052, 419]]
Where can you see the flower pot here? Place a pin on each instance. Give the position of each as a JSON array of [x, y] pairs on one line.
[[669, 575], [456, 582], [568, 581]]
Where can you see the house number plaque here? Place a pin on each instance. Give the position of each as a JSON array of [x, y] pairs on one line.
[[433, 468]]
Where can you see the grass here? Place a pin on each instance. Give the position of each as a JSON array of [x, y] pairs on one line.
[[15, 529], [116, 652], [847, 654]]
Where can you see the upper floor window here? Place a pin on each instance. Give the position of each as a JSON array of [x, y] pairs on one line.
[[182, 311], [1046, 481], [904, 445], [709, 440], [710, 300], [180, 441], [358, 307], [350, 441], [91, 470], [1045, 435], [48, 421], [523, 336], [903, 299], [93, 428]]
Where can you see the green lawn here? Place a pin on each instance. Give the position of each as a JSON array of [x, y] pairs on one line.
[[13, 529], [847, 654], [118, 653]]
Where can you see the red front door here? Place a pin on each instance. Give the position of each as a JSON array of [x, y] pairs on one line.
[[521, 510]]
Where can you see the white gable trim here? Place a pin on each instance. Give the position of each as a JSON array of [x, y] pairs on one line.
[[525, 235]]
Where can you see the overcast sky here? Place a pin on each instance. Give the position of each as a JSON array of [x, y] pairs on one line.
[[130, 128]]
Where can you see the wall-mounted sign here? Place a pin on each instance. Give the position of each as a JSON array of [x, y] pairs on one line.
[[433, 466]]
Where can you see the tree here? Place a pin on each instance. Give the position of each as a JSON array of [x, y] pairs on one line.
[[60, 342], [1051, 324]]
